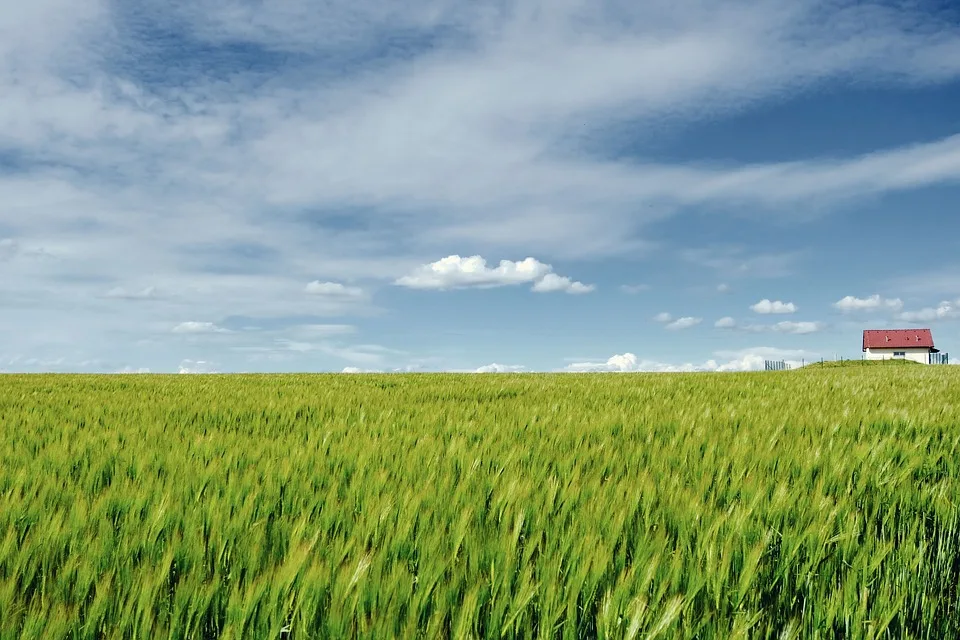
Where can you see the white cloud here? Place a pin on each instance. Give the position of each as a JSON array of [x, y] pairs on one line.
[[729, 361], [501, 368], [198, 327], [786, 326], [946, 310], [663, 317], [359, 370], [333, 289], [723, 287], [800, 328], [766, 306], [197, 366], [624, 362], [552, 282], [129, 369], [849, 304], [684, 323], [454, 272]]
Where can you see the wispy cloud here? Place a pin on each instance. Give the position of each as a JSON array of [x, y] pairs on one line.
[[198, 327], [683, 323], [738, 262], [850, 304], [333, 290], [943, 281], [785, 326]]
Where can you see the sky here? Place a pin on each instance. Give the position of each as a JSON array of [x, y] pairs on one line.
[[451, 185]]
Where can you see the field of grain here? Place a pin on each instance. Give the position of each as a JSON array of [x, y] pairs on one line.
[[799, 504]]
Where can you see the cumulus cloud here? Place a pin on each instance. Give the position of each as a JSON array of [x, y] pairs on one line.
[[723, 287], [197, 366], [849, 304], [663, 317], [333, 289], [725, 323], [501, 368], [129, 369], [946, 310], [454, 272], [552, 282], [766, 306], [725, 361], [683, 323], [620, 362], [359, 370], [198, 327]]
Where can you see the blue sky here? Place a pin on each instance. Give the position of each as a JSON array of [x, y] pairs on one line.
[[230, 185]]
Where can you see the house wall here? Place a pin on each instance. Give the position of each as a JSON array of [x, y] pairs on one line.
[[916, 354]]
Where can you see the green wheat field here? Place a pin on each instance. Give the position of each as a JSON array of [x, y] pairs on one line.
[[799, 504]]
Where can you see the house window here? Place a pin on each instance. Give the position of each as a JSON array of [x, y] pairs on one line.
[[899, 354]]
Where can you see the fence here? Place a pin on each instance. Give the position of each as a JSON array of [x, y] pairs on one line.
[[782, 365]]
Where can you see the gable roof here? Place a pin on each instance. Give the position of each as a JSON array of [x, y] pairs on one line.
[[897, 338]]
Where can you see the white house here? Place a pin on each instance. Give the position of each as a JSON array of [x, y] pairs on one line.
[[904, 344]]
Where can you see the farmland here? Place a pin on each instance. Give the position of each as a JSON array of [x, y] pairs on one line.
[[799, 504]]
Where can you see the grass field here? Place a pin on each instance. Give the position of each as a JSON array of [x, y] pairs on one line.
[[799, 504]]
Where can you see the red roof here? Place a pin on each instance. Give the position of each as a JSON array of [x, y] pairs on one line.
[[897, 338]]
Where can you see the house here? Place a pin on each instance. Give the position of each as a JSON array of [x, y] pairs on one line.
[[906, 344]]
